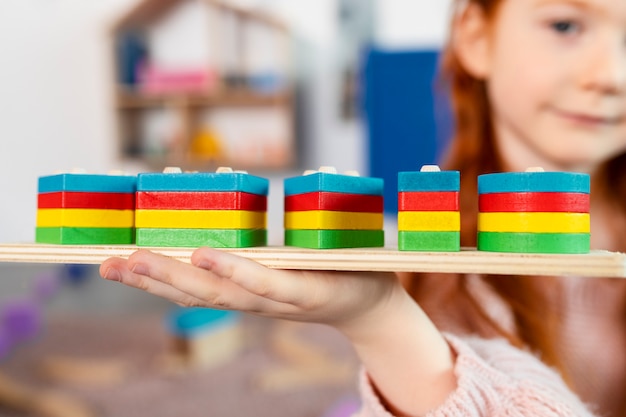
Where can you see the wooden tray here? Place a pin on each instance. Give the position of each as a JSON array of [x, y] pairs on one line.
[[594, 264]]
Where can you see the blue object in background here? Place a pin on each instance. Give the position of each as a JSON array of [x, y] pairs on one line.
[[131, 54], [408, 118], [190, 321]]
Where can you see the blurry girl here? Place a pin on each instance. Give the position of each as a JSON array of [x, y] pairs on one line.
[[534, 83]]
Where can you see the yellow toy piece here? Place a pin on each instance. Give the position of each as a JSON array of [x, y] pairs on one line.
[[85, 218], [200, 219], [333, 220], [534, 222], [429, 221], [207, 145]]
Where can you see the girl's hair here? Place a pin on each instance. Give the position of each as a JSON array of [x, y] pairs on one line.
[[474, 151]]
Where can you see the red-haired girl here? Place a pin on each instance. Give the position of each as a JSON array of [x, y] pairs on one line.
[[534, 83]]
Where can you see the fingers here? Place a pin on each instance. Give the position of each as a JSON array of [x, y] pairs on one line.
[[186, 284], [282, 286], [117, 269]]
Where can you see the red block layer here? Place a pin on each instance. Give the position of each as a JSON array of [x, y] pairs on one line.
[[428, 201], [169, 200], [329, 201], [85, 200], [534, 203]]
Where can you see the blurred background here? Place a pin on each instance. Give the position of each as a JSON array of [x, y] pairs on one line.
[[273, 87]]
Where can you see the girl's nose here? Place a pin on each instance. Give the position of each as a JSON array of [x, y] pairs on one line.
[[604, 69]]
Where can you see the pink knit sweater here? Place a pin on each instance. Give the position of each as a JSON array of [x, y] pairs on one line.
[[494, 379]]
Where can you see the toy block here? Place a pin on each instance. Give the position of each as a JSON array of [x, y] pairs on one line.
[[85, 218], [200, 219], [336, 220], [428, 201], [333, 183], [429, 221], [83, 209], [216, 238], [534, 212], [331, 201], [529, 182], [84, 235], [334, 239], [430, 241], [87, 200], [325, 210], [429, 180], [534, 222], [428, 210], [554, 243], [87, 183], [203, 182], [168, 200], [205, 338], [534, 202], [225, 209]]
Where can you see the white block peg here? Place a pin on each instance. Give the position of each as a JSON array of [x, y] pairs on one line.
[[430, 168], [535, 169], [328, 169], [224, 170], [172, 170], [116, 172]]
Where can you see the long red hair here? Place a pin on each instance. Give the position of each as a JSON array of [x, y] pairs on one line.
[[474, 151]]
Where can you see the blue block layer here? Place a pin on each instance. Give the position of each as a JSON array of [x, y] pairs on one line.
[[87, 183], [333, 183], [203, 182], [522, 182], [429, 181]]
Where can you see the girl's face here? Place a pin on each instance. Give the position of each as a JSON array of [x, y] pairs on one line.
[[555, 72]]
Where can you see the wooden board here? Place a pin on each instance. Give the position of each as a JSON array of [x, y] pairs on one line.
[[594, 264]]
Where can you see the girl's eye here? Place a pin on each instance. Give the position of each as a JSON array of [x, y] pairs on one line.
[[565, 27]]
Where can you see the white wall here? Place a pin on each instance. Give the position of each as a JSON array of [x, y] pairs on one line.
[[54, 99], [412, 23]]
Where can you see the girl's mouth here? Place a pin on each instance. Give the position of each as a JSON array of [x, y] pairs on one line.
[[590, 119]]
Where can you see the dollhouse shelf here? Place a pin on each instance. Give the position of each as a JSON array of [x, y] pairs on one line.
[[134, 100], [594, 264], [231, 77]]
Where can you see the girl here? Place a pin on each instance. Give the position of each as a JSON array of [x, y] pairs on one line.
[[534, 83]]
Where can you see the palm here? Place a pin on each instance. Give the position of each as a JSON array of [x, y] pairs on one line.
[[217, 279]]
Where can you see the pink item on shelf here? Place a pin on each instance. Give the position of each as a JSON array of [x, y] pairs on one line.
[[188, 80]]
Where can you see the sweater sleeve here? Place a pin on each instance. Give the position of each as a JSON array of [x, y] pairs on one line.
[[493, 379]]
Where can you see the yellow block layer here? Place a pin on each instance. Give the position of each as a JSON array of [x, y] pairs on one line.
[[534, 222], [200, 219], [85, 218], [429, 221], [333, 220]]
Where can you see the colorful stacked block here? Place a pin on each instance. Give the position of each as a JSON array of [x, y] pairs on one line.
[[428, 210], [225, 209], [326, 210], [205, 338], [83, 209], [534, 212]]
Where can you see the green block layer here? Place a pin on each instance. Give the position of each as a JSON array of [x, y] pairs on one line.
[[334, 239], [429, 241], [568, 243], [193, 238], [85, 235]]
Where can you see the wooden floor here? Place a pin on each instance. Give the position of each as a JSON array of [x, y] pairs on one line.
[[594, 264]]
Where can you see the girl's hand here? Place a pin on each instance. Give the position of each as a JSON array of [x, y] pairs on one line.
[[217, 279]]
